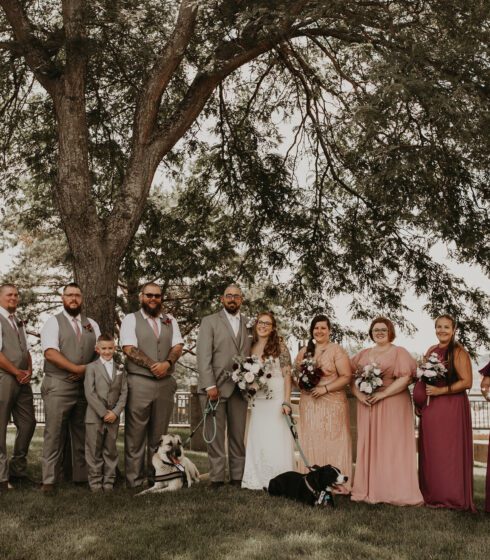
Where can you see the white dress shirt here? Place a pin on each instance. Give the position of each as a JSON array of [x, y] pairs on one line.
[[7, 314], [127, 335], [234, 321], [50, 331], [109, 366]]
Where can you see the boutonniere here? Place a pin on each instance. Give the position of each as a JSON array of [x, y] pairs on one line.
[[165, 320], [20, 323], [119, 370], [88, 327]]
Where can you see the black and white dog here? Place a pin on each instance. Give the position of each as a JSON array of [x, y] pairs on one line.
[[172, 468], [314, 488]]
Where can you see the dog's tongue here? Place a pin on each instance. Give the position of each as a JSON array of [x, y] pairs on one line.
[[175, 461]]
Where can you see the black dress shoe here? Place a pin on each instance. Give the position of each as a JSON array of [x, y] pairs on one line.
[[215, 484], [23, 481], [236, 483]]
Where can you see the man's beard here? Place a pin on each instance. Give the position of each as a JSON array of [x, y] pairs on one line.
[[152, 311], [233, 310], [74, 312]]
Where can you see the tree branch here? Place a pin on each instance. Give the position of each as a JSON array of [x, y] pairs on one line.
[[36, 56]]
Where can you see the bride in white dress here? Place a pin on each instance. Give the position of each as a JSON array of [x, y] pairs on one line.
[[270, 445]]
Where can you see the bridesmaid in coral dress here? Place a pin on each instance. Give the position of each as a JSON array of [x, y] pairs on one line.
[[386, 466], [485, 389], [445, 434], [324, 428]]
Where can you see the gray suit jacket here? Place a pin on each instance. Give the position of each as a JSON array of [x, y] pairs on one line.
[[102, 393], [216, 347]]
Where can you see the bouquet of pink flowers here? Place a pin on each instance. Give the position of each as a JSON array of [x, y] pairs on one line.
[[369, 378], [307, 374], [431, 371], [251, 375]]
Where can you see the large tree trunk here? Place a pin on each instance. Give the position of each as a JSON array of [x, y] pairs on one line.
[[97, 271]]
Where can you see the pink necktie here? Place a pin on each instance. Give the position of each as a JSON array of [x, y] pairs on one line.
[[77, 329], [154, 326], [14, 325]]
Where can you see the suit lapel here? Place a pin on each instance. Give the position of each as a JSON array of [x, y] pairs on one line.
[[224, 318], [103, 371], [243, 332]]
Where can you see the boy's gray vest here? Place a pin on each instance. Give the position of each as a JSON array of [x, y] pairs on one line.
[[155, 348], [14, 345], [78, 352]]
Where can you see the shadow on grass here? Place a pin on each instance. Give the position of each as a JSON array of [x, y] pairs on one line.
[[228, 523]]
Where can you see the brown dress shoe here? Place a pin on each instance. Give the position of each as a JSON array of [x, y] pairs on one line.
[[236, 483], [47, 488]]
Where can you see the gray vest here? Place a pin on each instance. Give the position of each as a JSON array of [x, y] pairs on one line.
[[14, 345], [78, 352], [155, 348]]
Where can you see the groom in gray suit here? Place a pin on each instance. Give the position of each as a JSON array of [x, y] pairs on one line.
[[222, 336]]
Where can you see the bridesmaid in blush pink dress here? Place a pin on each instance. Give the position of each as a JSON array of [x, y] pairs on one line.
[[386, 467], [445, 433], [324, 428], [485, 389]]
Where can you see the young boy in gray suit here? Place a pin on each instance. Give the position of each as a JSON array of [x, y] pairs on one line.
[[106, 390]]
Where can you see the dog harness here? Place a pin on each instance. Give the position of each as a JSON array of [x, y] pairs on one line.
[[178, 471]]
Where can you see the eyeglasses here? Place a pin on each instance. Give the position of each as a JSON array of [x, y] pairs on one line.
[[229, 297], [380, 331], [264, 323], [76, 296], [154, 296]]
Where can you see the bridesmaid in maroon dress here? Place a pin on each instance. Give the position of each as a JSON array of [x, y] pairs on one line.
[[445, 434], [485, 389]]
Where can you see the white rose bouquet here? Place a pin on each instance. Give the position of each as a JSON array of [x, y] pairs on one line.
[[369, 378], [431, 371], [250, 374]]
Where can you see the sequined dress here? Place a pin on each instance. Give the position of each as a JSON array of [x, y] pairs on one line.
[[324, 427]]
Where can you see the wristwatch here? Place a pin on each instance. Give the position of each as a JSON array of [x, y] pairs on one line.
[[170, 362]]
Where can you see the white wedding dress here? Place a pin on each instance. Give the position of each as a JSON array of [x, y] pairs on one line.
[[270, 445]]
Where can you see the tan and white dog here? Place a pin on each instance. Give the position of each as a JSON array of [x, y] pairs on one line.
[[172, 467]]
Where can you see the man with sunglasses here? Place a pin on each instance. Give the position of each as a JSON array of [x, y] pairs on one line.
[[152, 343], [222, 336]]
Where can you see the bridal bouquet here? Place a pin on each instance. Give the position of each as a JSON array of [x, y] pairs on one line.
[[430, 371], [251, 375], [369, 378], [308, 374]]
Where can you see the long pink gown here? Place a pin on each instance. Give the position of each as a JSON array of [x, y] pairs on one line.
[[386, 467], [445, 446], [486, 373], [324, 426]]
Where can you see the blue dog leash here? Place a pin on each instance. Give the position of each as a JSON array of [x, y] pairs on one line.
[[211, 407], [292, 427]]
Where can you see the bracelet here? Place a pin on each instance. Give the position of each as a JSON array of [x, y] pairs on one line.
[[449, 390], [170, 362], [287, 404]]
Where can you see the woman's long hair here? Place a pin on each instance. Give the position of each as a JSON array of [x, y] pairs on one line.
[[310, 348], [273, 345], [452, 374]]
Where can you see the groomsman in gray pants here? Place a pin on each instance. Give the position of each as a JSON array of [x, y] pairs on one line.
[[15, 389], [222, 336], [152, 342], [68, 342]]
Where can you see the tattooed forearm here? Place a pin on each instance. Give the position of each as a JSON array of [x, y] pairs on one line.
[[175, 353], [138, 357], [285, 356], [285, 360]]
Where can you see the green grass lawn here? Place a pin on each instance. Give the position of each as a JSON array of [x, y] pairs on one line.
[[229, 523]]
